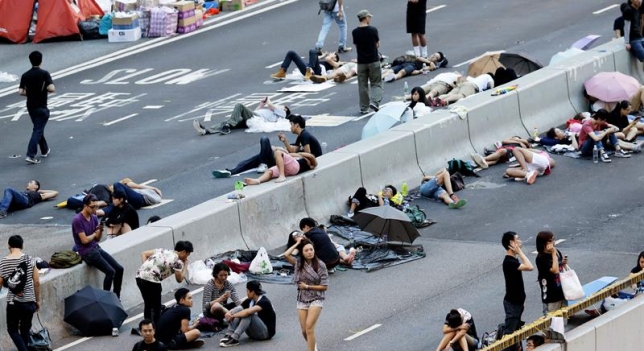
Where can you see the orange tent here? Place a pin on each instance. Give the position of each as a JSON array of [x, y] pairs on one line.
[[59, 18], [15, 27]]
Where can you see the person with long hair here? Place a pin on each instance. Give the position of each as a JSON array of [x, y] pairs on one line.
[[550, 263], [638, 268], [311, 278], [419, 103]]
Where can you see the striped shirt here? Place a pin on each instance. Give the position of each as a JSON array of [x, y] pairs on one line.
[[7, 265], [210, 292], [310, 276]]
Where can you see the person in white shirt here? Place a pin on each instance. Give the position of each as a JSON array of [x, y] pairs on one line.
[[464, 88], [241, 114]]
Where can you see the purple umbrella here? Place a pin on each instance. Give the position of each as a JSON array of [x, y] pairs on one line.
[[586, 42]]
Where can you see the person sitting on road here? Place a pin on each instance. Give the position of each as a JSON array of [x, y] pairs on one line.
[[14, 200], [330, 60], [419, 103], [628, 129], [174, 328], [459, 332], [138, 195], [322, 244], [305, 141], [503, 152], [464, 88], [286, 164], [123, 217], [594, 131], [217, 292], [149, 343], [532, 163], [534, 341], [411, 65], [255, 317], [361, 200], [342, 72], [266, 110], [439, 187]]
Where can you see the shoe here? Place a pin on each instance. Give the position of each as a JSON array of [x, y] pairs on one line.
[[225, 130], [398, 98], [531, 177], [341, 77], [605, 158], [230, 343], [480, 161], [308, 74], [374, 107], [262, 168], [331, 271], [498, 144], [46, 154], [342, 50], [637, 149], [224, 339], [318, 50], [458, 203], [281, 74], [221, 173], [318, 79], [362, 113], [622, 154], [350, 214], [32, 160], [197, 343], [195, 124], [3, 214], [390, 77]]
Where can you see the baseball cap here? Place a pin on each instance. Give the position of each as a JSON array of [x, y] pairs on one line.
[[364, 14], [255, 287]]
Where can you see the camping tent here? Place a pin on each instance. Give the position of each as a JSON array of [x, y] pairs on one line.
[[59, 18], [15, 27]]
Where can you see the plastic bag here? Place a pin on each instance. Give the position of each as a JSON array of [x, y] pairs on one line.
[[235, 278], [106, 24], [198, 273], [570, 284], [90, 29], [261, 264]]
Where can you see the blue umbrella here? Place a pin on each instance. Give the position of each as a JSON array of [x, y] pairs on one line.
[[388, 116]]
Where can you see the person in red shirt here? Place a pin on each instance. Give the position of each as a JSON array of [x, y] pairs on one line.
[[594, 131]]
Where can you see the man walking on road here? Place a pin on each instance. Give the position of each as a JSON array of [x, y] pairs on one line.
[[338, 15], [367, 43], [35, 84], [514, 289]]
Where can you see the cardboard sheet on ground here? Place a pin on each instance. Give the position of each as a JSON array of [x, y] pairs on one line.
[[260, 125]]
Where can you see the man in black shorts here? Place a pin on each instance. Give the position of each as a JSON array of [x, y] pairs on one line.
[[35, 84], [416, 16], [174, 328]]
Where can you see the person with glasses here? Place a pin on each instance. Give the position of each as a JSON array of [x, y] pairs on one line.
[[87, 233]]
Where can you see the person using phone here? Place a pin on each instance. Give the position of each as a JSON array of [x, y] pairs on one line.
[[628, 129], [218, 292], [550, 262]]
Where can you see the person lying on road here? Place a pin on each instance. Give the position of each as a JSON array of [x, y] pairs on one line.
[[14, 200]]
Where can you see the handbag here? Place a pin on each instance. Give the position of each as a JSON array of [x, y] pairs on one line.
[[39, 340], [570, 285]]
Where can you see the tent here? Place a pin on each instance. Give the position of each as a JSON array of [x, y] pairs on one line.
[[15, 27], [59, 18]]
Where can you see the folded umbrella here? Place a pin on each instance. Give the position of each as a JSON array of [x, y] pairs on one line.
[[94, 312], [612, 86], [389, 221]]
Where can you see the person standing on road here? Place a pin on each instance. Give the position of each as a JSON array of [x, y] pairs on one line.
[[367, 43], [87, 233], [329, 16], [514, 289], [35, 84], [22, 300], [311, 278], [549, 264], [149, 343], [416, 17], [158, 264]]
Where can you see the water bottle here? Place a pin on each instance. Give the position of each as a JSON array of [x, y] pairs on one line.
[[239, 185], [323, 147], [386, 201], [535, 133], [595, 154], [404, 189], [406, 89], [352, 242]]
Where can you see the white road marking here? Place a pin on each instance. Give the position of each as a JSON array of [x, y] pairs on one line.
[[153, 107], [129, 320], [435, 8], [278, 63], [462, 63], [163, 202], [18, 114], [119, 120], [363, 116], [605, 9], [86, 114], [363, 332], [148, 182], [208, 116], [328, 121]]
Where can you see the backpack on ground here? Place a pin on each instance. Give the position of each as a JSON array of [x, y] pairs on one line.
[[465, 168], [64, 259], [17, 279], [457, 181], [417, 216], [327, 5]]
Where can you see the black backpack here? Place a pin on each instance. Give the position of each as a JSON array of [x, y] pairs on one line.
[[327, 5], [456, 165], [17, 279]]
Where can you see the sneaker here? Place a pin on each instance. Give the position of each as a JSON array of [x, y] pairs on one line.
[[531, 177], [225, 130], [308, 74], [480, 161], [262, 168], [350, 214], [458, 203], [637, 149], [342, 50], [362, 113], [318, 79], [390, 77], [374, 107], [622, 154], [221, 173], [498, 144], [230, 343], [3, 214], [331, 271], [197, 126], [197, 343], [32, 160], [225, 339], [46, 154], [604, 157]]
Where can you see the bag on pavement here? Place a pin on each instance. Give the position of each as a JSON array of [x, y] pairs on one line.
[[261, 264], [163, 22], [417, 216], [465, 168], [457, 181], [572, 288], [198, 273], [39, 340]]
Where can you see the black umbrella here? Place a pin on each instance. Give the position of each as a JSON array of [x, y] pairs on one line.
[[520, 63], [94, 312], [387, 220]]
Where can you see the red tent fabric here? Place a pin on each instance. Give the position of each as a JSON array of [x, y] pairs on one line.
[[90, 8], [58, 18], [15, 27]]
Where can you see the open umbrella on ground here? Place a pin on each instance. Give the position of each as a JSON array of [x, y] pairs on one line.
[[522, 64], [585, 42], [563, 55], [488, 62], [611, 86], [389, 221], [94, 312], [385, 118]]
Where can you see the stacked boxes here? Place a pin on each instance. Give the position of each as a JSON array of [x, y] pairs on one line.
[[187, 20], [125, 28], [125, 5], [231, 5]]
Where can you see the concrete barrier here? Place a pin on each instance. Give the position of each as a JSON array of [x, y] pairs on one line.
[[439, 137], [212, 226], [388, 158], [270, 211], [543, 99], [492, 118], [620, 329], [327, 187], [581, 338], [549, 347]]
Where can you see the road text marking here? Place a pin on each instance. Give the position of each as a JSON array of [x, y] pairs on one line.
[[363, 332]]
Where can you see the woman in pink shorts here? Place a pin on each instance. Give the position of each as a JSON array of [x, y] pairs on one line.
[[286, 165]]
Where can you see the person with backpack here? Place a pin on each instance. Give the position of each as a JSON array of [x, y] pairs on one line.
[[18, 272], [149, 343], [459, 332], [333, 11], [14, 200], [439, 187]]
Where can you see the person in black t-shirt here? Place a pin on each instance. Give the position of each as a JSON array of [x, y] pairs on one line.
[[14, 200], [459, 332], [549, 263], [149, 343], [367, 43], [618, 27], [255, 317], [514, 289], [632, 13], [174, 328], [35, 84], [123, 217], [628, 130], [322, 244], [305, 141]]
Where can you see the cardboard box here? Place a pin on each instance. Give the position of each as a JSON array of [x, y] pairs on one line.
[[123, 35], [187, 29], [125, 19], [132, 25], [199, 17], [182, 6], [125, 5], [186, 14], [231, 5], [184, 22]]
